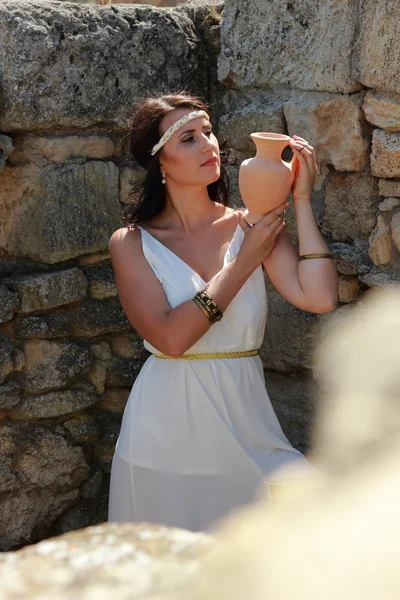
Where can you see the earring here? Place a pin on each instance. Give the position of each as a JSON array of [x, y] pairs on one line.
[[163, 180]]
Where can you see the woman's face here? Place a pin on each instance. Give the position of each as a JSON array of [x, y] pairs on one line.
[[191, 155]]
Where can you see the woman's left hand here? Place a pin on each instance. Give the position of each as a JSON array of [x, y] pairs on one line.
[[306, 169]]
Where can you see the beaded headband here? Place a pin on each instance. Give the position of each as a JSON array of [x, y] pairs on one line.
[[171, 130]]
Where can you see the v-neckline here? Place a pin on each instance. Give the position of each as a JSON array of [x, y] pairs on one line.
[[185, 263]]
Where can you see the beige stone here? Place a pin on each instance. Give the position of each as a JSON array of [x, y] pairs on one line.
[[382, 111], [54, 404], [112, 560], [332, 123], [380, 243], [52, 364], [43, 150], [389, 204], [389, 188], [98, 375], [305, 45], [128, 346], [114, 399], [385, 154], [395, 229], [376, 53], [82, 429], [91, 259], [101, 350], [58, 212], [351, 203], [101, 281], [349, 288]]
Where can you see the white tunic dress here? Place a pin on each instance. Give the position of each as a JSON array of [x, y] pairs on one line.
[[197, 436]]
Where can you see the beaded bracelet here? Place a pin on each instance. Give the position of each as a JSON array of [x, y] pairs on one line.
[[321, 255], [208, 306]]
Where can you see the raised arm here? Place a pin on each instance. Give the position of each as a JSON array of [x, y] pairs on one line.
[[174, 331], [311, 284]]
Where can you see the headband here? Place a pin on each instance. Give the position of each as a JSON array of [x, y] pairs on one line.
[[171, 130]]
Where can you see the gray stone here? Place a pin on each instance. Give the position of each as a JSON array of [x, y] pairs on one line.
[[9, 394], [97, 317], [43, 150], [380, 279], [82, 429], [289, 336], [114, 399], [389, 204], [79, 201], [262, 114], [6, 356], [294, 400], [128, 177], [351, 205], [48, 472], [6, 147], [123, 371], [377, 53], [122, 561], [351, 259], [101, 280], [269, 44], [206, 16], [55, 404], [385, 154], [9, 303], [103, 449], [53, 364], [389, 188], [132, 51], [49, 290], [91, 487], [43, 325], [333, 125]]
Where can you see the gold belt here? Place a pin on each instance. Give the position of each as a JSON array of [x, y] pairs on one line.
[[240, 354]]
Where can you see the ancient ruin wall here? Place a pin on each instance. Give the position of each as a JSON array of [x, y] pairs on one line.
[[69, 74]]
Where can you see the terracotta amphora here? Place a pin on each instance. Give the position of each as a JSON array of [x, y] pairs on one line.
[[265, 180]]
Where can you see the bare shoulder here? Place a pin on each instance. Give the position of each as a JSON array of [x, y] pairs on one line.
[[123, 237]]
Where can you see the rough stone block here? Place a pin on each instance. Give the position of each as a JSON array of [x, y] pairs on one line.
[[395, 229], [349, 288], [262, 114], [91, 487], [42, 150], [58, 212], [351, 204], [49, 290], [123, 371], [6, 356], [377, 52], [101, 350], [98, 375], [382, 111], [101, 280], [88, 64], [380, 279], [389, 188], [9, 303], [380, 242], [48, 472], [129, 346], [305, 44], [389, 204], [104, 447], [97, 317], [351, 259], [115, 399], [385, 154], [82, 429], [294, 400], [332, 123], [51, 364], [54, 404], [6, 147], [127, 178], [289, 336], [9, 394], [43, 325]]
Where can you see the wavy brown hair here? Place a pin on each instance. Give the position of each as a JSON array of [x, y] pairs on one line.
[[147, 198]]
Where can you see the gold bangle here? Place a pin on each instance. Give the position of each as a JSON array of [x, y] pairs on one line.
[[204, 310], [321, 255], [210, 305]]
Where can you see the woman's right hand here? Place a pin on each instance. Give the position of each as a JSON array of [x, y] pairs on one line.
[[260, 238]]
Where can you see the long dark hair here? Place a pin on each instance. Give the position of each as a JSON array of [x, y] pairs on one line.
[[148, 195]]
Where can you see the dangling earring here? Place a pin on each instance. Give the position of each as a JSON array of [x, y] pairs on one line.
[[163, 180]]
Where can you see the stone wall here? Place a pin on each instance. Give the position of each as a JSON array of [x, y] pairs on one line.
[[68, 77], [68, 355]]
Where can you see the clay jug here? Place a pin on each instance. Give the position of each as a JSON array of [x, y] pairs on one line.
[[265, 180]]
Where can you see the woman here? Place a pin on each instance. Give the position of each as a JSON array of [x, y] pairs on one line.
[[199, 431]]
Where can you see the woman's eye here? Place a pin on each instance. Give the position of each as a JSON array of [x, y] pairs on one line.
[[188, 139]]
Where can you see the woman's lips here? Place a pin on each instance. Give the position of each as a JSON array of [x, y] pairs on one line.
[[210, 162]]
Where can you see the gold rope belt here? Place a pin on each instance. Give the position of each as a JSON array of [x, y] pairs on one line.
[[240, 354]]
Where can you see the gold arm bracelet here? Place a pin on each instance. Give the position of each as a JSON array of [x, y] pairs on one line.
[[204, 309], [210, 305], [321, 255]]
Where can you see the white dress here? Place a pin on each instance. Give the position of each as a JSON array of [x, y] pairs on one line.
[[198, 436]]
